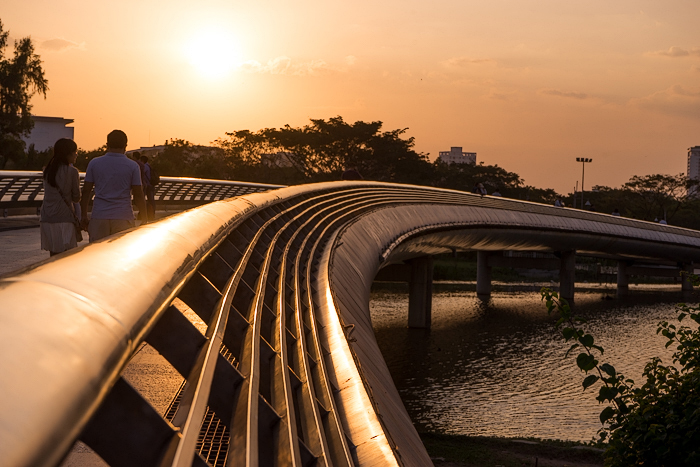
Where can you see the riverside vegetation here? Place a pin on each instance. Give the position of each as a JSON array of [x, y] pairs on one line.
[[657, 423]]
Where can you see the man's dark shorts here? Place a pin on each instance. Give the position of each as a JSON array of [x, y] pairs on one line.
[[101, 228]]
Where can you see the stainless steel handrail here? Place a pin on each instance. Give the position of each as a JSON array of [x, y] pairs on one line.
[[288, 362]]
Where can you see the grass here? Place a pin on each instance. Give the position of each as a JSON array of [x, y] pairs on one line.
[[470, 451]]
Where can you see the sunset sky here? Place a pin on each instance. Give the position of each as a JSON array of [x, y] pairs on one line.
[[528, 85]]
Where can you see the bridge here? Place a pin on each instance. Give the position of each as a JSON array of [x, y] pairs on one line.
[[287, 367], [24, 189]]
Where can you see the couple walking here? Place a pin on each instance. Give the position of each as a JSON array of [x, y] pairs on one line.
[[114, 178]]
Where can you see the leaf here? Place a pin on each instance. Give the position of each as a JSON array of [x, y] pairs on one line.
[[598, 348], [570, 349], [607, 393], [607, 414], [609, 369], [589, 381], [586, 340], [586, 362], [568, 333]]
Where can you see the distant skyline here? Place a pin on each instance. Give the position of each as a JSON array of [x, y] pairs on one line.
[[527, 85]]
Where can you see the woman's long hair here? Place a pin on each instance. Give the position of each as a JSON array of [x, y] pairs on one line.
[[63, 148]]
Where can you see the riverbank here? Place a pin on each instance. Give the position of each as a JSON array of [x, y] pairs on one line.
[[477, 451]]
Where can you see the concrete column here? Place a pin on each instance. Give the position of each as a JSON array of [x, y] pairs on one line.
[[483, 274], [623, 288], [420, 292], [567, 273], [687, 284]]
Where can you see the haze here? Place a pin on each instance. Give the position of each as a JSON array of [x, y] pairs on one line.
[[528, 85]]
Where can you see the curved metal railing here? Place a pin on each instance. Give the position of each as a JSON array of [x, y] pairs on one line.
[[24, 189], [288, 364]]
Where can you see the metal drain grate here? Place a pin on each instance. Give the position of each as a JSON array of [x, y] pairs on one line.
[[212, 443]]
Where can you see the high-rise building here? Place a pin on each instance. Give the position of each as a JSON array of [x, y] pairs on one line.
[[456, 156], [694, 168]]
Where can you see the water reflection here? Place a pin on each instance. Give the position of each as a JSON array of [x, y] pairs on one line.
[[497, 368]]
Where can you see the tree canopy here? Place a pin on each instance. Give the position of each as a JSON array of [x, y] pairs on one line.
[[323, 149], [21, 77], [650, 197]]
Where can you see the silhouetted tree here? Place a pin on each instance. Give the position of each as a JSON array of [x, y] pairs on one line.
[[322, 150], [464, 176], [181, 158], [21, 77], [84, 157], [659, 195], [649, 197]]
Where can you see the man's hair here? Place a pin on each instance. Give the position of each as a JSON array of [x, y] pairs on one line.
[[136, 155], [144, 159], [116, 139]]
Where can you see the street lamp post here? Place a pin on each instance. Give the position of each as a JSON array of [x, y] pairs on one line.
[[583, 161]]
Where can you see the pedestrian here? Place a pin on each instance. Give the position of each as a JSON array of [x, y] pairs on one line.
[[497, 192], [58, 219], [558, 203], [480, 190], [616, 212], [115, 178], [150, 190], [663, 222], [136, 157]]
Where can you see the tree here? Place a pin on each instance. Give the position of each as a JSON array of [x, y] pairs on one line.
[[322, 150], [659, 196], [21, 77], [84, 157], [464, 176], [181, 158], [650, 197]]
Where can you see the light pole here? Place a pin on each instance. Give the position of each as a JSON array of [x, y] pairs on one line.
[[583, 161]]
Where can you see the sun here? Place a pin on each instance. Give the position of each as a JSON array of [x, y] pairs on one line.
[[214, 53]]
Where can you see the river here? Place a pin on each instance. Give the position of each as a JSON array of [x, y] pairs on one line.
[[498, 369]]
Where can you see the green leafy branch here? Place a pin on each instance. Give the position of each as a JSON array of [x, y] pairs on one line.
[[615, 389], [655, 424]]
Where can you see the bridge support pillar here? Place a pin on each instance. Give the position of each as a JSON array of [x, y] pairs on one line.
[[420, 292], [483, 274], [623, 287], [687, 284], [567, 274]]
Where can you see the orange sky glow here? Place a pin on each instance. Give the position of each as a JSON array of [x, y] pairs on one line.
[[527, 84]]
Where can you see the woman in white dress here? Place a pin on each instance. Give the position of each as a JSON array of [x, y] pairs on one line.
[[61, 190]]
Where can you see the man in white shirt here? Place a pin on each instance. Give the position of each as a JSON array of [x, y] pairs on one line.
[[115, 178]]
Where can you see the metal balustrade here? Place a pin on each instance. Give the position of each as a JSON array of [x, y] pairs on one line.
[[288, 371], [25, 189]]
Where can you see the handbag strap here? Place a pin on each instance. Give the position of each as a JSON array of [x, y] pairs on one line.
[[70, 206]]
